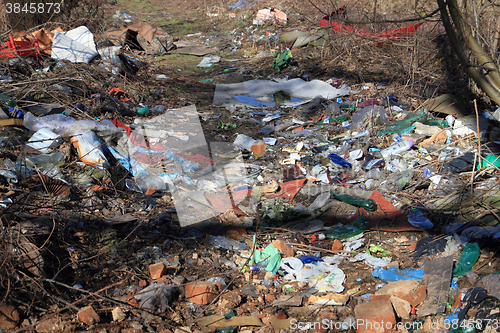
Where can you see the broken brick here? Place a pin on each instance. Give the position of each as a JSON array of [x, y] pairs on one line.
[[376, 316], [402, 307], [409, 290], [202, 292], [337, 245], [157, 270], [88, 315], [286, 251]]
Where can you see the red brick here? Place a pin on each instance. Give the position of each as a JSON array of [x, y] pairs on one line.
[[88, 315], [412, 247], [133, 302], [269, 298], [258, 148], [409, 290], [143, 283], [375, 316], [202, 292], [337, 245], [10, 311], [6, 325], [286, 251], [157, 270], [402, 307]]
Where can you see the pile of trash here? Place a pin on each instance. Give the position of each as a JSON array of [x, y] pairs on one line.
[[319, 198]]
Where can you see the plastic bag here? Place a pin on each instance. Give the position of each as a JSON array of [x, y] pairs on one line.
[[89, 149]]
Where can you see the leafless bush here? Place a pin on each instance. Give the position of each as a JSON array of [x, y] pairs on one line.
[[27, 14]]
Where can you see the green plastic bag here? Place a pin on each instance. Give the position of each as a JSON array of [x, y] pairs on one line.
[[282, 60]]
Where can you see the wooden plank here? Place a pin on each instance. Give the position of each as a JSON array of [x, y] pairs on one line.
[[437, 279]]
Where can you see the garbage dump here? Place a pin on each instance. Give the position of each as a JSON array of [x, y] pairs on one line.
[[152, 182]]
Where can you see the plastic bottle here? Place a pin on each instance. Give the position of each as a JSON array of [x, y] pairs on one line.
[[46, 160], [368, 102], [340, 161], [373, 164], [6, 100], [374, 174], [369, 204], [145, 182], [469, 257], [57, 123], [352, 229], [397, 148], [403, 178], [228, 244]]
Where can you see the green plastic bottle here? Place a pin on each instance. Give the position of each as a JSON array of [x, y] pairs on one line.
[[346, 231], [6, 100], [469, 257], [370, 204]]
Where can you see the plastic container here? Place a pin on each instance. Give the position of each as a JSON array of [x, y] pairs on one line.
[[417, 219], [45, 160], [469, 257], [397, 148], [373, 164], [369, 204], [352, 229], [42, 140]]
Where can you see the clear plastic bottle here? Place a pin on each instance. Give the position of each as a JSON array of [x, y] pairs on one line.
[[146, 182], [45, 160], [397, 148], [374, 174]]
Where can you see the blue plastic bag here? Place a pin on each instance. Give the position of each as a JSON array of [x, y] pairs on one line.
[[393, 274], [417, 219]]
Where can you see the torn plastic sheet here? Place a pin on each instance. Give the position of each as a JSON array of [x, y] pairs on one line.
[[259, 93], [156, 147], [76, 45]]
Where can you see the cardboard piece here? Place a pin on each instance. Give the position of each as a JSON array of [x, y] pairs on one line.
[[143, 36]]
